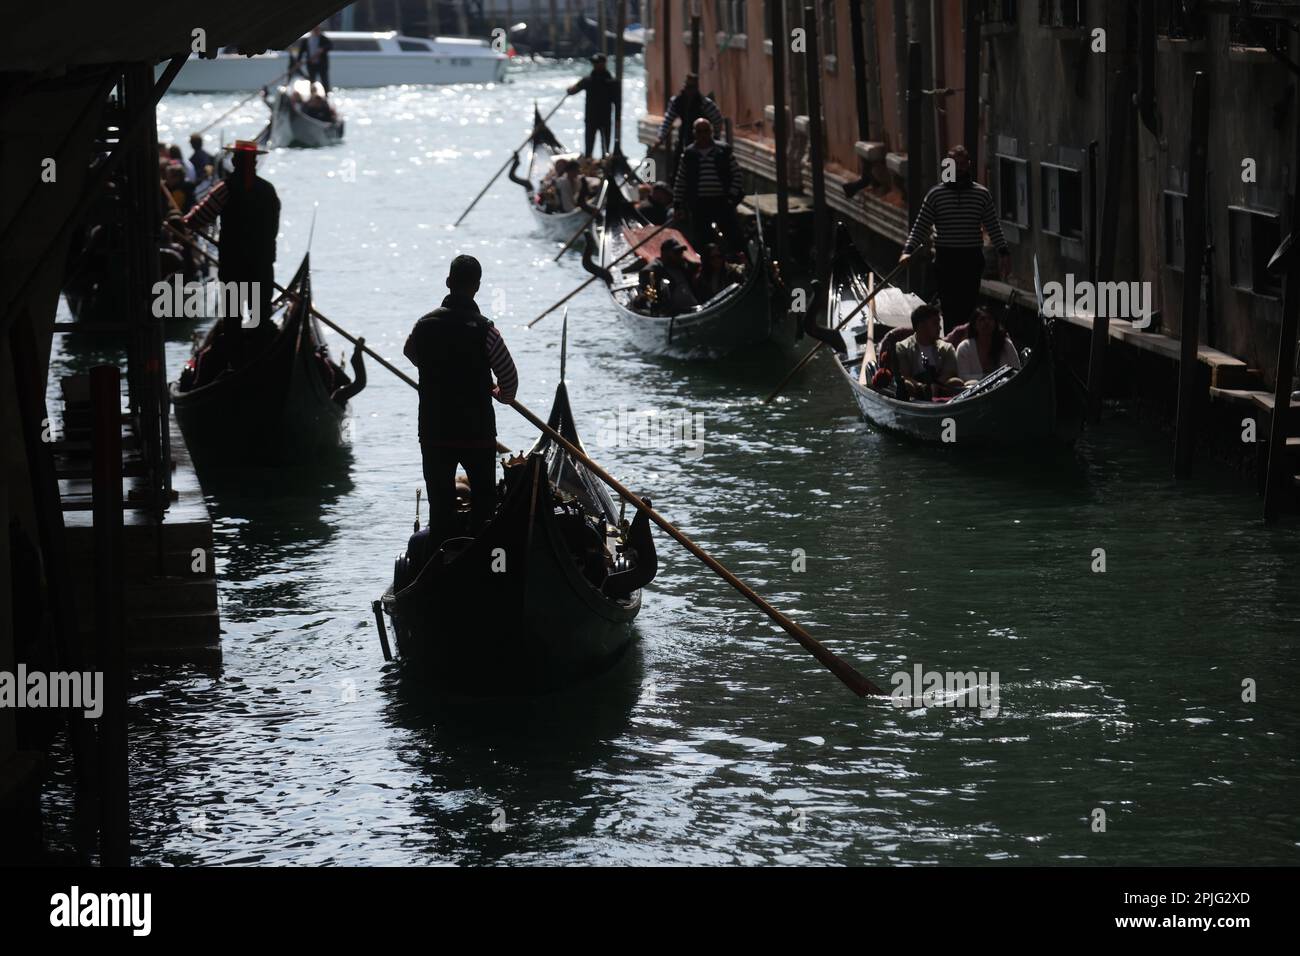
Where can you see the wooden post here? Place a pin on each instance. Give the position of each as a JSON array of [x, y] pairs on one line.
[[695, 44], [971, 101], [1276, 480], [812, 72], [621, 22], [110, 586], [780, 129], [915, 167], [1194, 250], [666, 50], [600, 24], [859, 71], [552, 26]]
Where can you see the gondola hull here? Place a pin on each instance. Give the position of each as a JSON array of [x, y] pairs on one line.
[[292, 128], [1023, 409], [275, 408], [741, 320], [559, 226], [537, 600]]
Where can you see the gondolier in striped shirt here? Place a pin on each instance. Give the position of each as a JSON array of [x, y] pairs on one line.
[[249, 210], [688, 106], [955, 211], [708, 189], [457, 350]]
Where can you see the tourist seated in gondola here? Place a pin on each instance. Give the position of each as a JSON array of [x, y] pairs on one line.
[[657, 207], [924, 365], [674, 278], [716, 273], [573, 188], [986, 349], [317, 107]]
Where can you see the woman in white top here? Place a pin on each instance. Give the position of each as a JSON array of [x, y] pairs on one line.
[[986, 349]]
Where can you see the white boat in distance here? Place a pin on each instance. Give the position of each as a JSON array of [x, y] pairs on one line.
[[357, 60]]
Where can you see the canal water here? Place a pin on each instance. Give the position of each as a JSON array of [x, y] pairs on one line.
[[1119, 692]]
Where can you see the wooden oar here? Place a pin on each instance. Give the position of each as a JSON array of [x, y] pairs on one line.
[[316, 312], [650, 235], [506, 164], [245, 100], [836, 665], [845, 321]]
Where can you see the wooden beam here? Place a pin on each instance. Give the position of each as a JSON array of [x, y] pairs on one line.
[[780, 130], [812, 74]]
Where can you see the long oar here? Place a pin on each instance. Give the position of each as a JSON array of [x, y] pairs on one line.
[[245, 100], [316, 312], [836, 665], [816, 348], [506, 164], [655, 231]]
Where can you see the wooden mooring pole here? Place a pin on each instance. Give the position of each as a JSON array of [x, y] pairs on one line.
[[1194, 253], [971, 96], [695, 43], [813, 72], [780, 133], [110, 587], [621, 20], [915, 161], [1285, 262]]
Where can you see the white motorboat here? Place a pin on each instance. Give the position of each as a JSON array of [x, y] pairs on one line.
[[357, 60]]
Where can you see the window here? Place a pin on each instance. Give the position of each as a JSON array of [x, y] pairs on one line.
[[1175, 250], [1062, 201], [998, 11], [1013, 191], [1254, 235], [352, 45], [731, 17], [1060, 13], [1180, 19], [1257, 33], [413, 46]]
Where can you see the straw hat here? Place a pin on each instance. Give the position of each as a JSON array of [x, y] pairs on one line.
[[244, 146]]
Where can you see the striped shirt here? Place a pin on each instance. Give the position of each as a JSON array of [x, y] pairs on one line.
[[710, 185], [708, 109], [503, 366], [955, 214], [207, 211]]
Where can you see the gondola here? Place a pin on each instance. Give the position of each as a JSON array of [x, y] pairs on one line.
[[545, 149], [280, 403], [1007, 407], [740, 315], [543, 597], [291, 127]]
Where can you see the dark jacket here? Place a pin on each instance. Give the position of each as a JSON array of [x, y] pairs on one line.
[[449, 345], [602, 92], [249, 223]]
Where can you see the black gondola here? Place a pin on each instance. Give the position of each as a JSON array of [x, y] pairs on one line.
[[543, 596], [280, 402], [1009, 406], [292, 127], [742, 314]]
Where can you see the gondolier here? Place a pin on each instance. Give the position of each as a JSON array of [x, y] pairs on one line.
[[955, 212], [602, 94], [314, 53], [457, 350], [688, 106], [708, 188], [249, 210]]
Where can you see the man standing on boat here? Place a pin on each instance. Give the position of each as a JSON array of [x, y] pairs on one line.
[[602, 94], [314, 53], [688, 106], [457, 350], [954, 211], [708, 188], [249, 210]]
